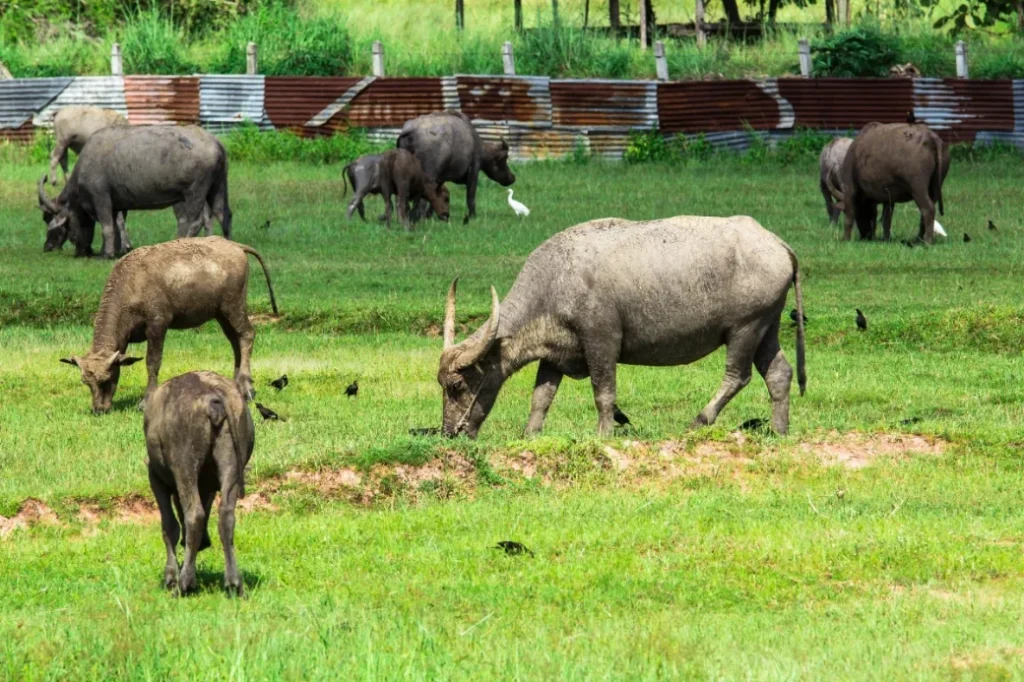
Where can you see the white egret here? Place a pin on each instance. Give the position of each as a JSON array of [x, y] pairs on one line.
[[519, 208]]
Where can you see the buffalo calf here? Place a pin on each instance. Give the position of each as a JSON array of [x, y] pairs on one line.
[[199, 436], [401, 174]]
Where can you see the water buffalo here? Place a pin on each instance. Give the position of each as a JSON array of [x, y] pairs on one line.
[[581, 306], [363, 174], [450, 150], [174, 285], [889, 164], [199, 436], [402, 175], [72, 128], [830, 165], [124, 168]]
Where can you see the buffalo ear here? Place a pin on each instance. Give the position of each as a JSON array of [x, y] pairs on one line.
[[70, 361], [125, 360]]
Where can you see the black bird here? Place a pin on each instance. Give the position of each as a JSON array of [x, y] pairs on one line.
[[268, 414], [755, 424], [967, 238], [793, 315], [862, 322], [513, 548], [910, 421], [352, 389], [266, 225], [907, 243], [911, 118], [620, 417], [431, 431], [280, 382], [992, 226]]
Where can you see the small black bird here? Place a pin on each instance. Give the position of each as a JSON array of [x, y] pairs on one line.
[[266, 225], [268, 414], [862, 322], [620, 417], [280, 382], [911, 118], [431, 431], [967, 238], [352, 389], [513, 548], [910, 421], [992, 226], [755, 424], [793, 315], [907, 243]]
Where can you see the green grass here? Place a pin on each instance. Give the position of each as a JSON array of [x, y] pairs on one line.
[[774, 566]]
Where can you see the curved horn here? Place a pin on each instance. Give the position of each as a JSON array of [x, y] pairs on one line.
[[44, 200], [449, 316], [476, 349]]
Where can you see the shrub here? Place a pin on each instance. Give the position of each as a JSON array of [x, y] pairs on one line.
[[247, 143], [645, 145], [861, 52], [151, 43]]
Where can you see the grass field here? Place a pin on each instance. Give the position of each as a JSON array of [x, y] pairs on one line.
[[881, 540]]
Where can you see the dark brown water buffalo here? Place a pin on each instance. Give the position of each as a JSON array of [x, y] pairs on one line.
[[199, 437], [402, 176], [175, 285], [889, 164], [123, 168], [72, 128], [581, 306], [450, 150]]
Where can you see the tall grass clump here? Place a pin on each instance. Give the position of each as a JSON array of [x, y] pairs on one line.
[[246, 143], [289, 45], [560, 50], [151, 43]]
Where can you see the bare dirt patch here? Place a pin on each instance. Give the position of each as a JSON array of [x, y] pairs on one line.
[[858, 450], [32, 512]]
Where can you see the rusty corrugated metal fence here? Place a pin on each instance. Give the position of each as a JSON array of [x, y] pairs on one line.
[[540, 117]]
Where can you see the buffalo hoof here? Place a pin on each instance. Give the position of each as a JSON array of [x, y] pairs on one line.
[[465, 221], [171, 579], [235, 591]]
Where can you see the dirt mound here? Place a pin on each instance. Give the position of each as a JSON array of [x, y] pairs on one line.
[[32, 512]]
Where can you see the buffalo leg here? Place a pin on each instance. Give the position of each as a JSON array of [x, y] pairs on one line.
[[356, 203], [544, 390], [403, 204], [601, 356], [105, 215], [195, 530], [218, 205], [830, 207], [190, 217], [470, 197], [386, 190], [229, 477], [927, 207], [778, 376], [848, 219], [171, 530], [122, 231], [59, 156], [739, 360], [241, 335], [887, 208], [155, 334]]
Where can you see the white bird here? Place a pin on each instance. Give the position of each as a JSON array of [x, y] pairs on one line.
[[939, 231], [516, 206]]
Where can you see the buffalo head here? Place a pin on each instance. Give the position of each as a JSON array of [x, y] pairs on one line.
[[57, 217], [495, 163], [101, 372]]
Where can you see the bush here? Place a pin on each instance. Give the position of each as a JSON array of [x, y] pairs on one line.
[[247, 143], [861, 52], [561, 50], [644, 146], [151, 43]]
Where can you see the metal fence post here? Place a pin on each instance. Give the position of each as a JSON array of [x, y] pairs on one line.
[[961, 59], [508, 59], [251, 59], [805, 57], [660, 63], [116, 66], [378, 58]]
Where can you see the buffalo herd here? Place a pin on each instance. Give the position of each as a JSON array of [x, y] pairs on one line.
[[606, 292]]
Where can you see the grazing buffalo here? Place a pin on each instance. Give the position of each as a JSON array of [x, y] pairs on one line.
[[581, 306], [123, 168], [450, 150], [174, 285], [402, 175], [889, 164], [830, 165], [199, 436], [72, 128]]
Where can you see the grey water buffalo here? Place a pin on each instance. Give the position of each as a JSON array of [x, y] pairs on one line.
[[123, 168], [581, 306], [363, 175], [450, 150], [199, 437], [402, 176], [889, 164], [174, 285], [72, 128], [830, 165]]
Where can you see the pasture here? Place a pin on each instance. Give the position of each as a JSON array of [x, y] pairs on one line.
[[882, 539]]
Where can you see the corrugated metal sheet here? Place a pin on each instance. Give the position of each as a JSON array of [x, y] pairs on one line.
[[450, 93], [159, 100], [524, 100], [959, 109], [529, 144], [387, 136], [23, 133], [846, 103], [711, 106], [106, 92], [390, 102], [291, 101], [21, 98], [1015, 136], [226, 101], [604, 104]]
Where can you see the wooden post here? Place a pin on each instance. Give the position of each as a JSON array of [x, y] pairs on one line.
[[660, 63], [519, 14], [613, 14], [586, 13], [643, 24], [554, 11], [961, 59], [251, 59], [508, 59], [698, 22], [460, 15], [378, 58], [842, 6], [116, 66], [805, 57]]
